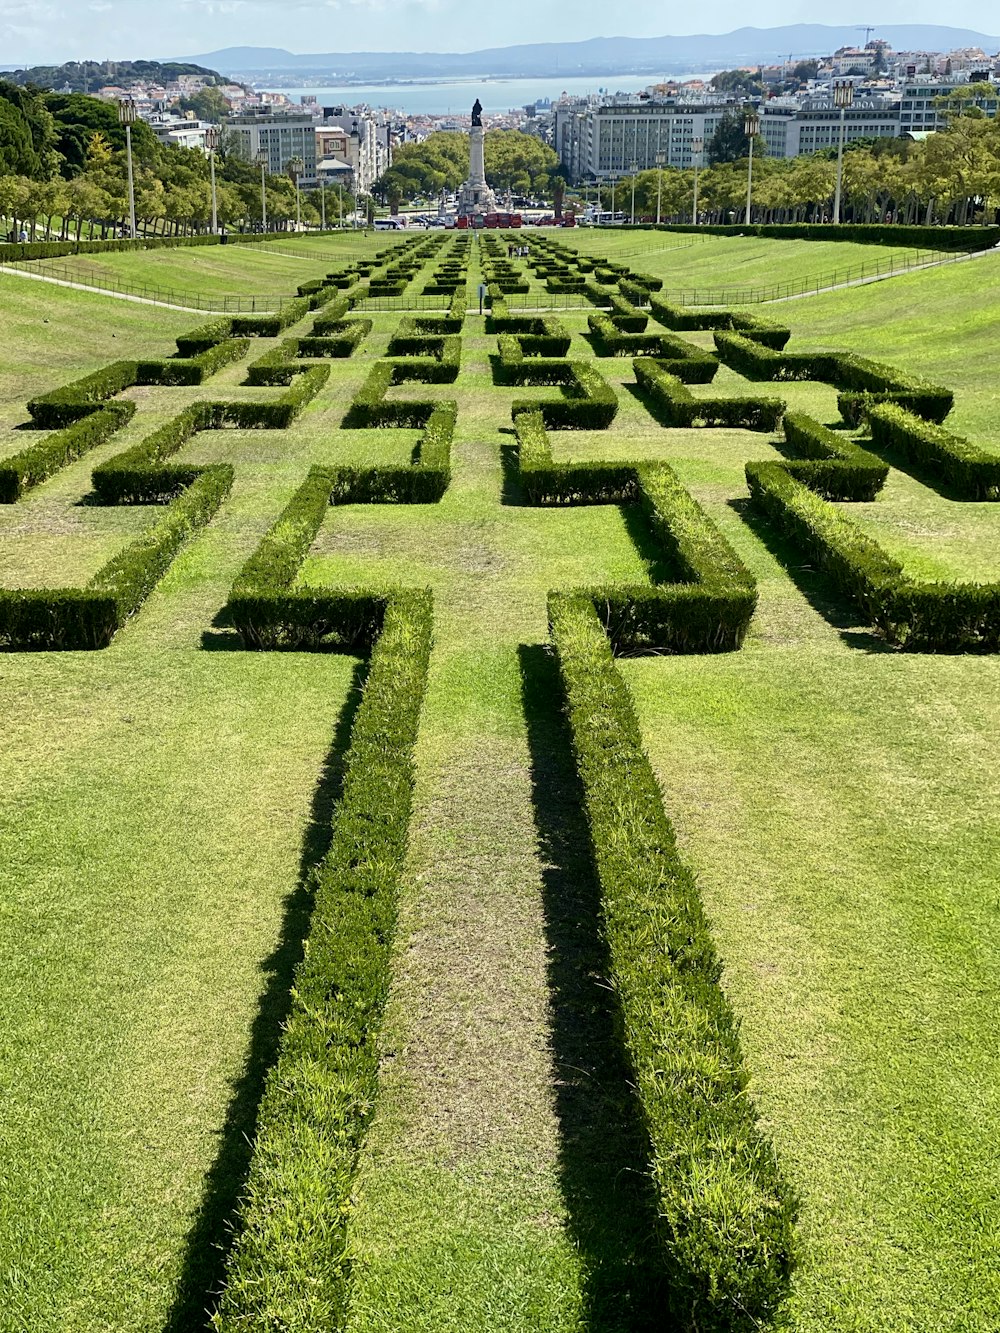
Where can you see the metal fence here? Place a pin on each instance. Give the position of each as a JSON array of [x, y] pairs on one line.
[[850, 274], [99, 281]]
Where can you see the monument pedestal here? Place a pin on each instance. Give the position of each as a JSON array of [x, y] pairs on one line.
[[475, 196]]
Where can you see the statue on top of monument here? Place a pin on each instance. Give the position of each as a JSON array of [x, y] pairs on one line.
[[477, 113]]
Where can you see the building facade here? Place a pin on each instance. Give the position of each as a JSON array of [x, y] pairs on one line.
[[792, 128], [279, 139], [919, 112], [600, 139]]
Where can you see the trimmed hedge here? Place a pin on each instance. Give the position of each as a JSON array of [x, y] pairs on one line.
[[725, 1214], [690, 319], [31, 466], [138, 476], [676, 406], [688, 362], [370, 407], [625, 316], [936, 454], [867, 382], [205, 337], [276, 414], [924, 617], [269, 326], [861, 233], [589, 403], [544, 482], [80, 619], [833, 465], [195, 369], [320, 1094], [425, 482], [61, 407]]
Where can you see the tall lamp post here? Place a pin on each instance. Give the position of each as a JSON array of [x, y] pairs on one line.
[[751, 126], [322, 205], [661, 157], [127, 116], [613, 180], [843, 97], [697, 148], [263, 158], [633, 167], [211, 144]]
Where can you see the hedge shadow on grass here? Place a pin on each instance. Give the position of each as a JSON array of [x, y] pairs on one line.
[[604, 1151], [814, 586], [211, 1235]]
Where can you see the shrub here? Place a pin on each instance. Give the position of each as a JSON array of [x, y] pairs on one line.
[[926, 617], [589, 403], [690, 319], [676, 406], [31, 466], [861, 233], [138, 476], [79, 619], [277, 414], [332, 318], [936, 454], [320, 1095], [192, 370], [834, 465], [61, 407], [689, 363], [269, 326], [725, 1214], [204, 337]]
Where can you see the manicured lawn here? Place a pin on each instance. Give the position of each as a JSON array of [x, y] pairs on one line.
[[162, 799], [272, 269], [731, 264]]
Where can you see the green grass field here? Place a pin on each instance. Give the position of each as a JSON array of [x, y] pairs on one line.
[[688, 262], [162, 801], [274, 269]]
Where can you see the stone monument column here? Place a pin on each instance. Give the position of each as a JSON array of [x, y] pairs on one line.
[[477, 157], [475, 196]]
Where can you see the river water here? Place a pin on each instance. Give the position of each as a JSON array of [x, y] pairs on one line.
[[457, 95]]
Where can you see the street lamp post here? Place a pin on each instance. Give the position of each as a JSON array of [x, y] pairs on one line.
[[697, 148], [843, 97], [751, 126], [263, 159], [322, 205], [633, 168], [660, 159], [127, 116], [340, 205], [211, 144], [613, 180]]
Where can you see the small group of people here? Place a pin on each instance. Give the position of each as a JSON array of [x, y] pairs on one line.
[[21, 236], [517, 252]]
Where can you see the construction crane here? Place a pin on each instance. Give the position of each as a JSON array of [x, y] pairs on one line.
[[866, 30]]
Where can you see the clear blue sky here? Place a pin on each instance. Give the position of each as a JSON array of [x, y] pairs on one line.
[[33, 31]]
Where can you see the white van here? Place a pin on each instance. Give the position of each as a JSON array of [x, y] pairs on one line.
[[388, 224]]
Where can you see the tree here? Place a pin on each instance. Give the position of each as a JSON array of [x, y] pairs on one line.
[[207, 104], [729, 143], [805, 70]]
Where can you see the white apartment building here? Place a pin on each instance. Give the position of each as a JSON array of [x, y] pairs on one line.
[[279, 138], [360, 139], [792, 127], [595, 138], [918, 111]]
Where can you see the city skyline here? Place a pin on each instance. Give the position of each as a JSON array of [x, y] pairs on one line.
[[53, 31]]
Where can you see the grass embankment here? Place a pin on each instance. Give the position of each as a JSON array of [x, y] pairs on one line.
[[735, 264], [258, 269]]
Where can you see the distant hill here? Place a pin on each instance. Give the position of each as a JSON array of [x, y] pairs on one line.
[[599, 55], [90, 76]]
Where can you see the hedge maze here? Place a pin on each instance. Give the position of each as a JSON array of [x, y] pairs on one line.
[[725, 1232]]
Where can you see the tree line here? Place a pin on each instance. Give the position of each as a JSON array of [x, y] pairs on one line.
[[516, 162], [952, 176], [63, 175]]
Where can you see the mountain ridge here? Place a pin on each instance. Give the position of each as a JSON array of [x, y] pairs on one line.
[[596, 55]]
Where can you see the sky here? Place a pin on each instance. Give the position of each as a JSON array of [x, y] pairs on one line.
[[51, 31]]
